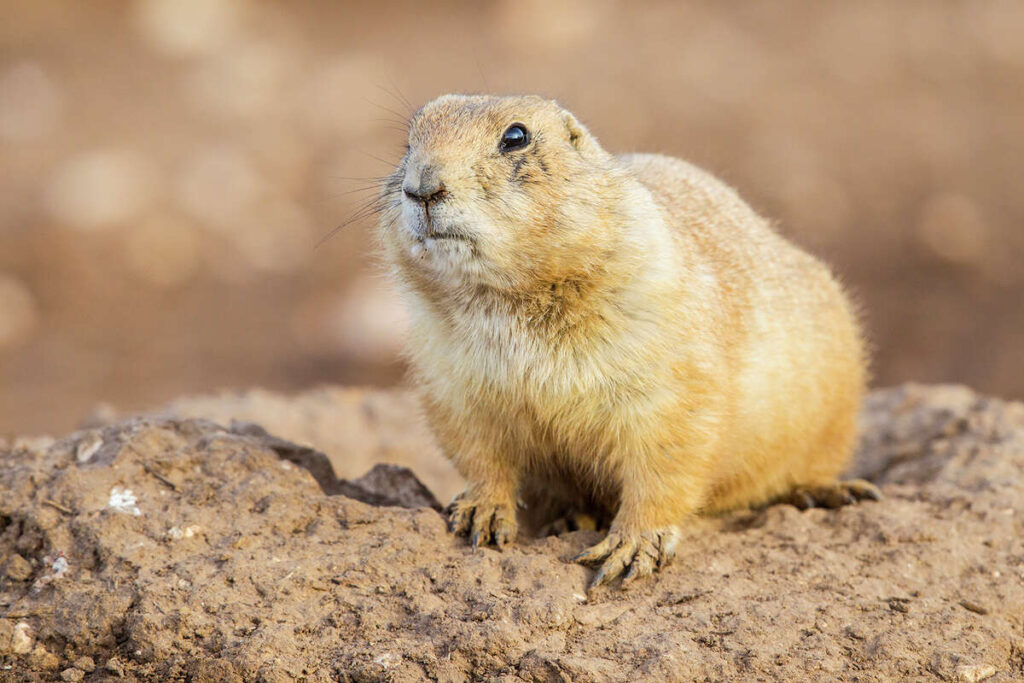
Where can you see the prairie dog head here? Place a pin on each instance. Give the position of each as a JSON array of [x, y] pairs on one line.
[[507, 192]]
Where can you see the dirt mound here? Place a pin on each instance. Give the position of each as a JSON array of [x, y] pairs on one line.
[[177, 549], [356, 428]]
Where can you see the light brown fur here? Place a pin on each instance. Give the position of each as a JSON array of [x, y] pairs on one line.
[[622, 333]]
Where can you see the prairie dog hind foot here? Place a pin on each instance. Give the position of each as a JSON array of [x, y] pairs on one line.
[[831, 496]]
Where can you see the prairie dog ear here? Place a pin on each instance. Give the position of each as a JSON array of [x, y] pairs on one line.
[[579, 136]]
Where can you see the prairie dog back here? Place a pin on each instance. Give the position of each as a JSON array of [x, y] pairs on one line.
[[796, 338]]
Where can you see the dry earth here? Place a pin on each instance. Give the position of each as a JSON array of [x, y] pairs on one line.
[[171, 548]]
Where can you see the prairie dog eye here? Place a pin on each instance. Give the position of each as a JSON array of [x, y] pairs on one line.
[[515, 137]]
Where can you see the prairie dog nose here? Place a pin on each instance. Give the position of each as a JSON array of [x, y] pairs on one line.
[[425, 186]]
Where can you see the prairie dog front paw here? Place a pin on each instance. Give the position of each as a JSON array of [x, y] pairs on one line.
[[484, 521], [642, 552]]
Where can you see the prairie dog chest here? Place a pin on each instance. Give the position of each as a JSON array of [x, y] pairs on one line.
[[494, 355], [492, 367]]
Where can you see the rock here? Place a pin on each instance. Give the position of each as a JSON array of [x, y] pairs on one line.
[[383, 485], [355, 428], [311, 460], [972, 673], [23, 639], [86, 664], [88, 447], [115, 666], [290, 579], [18, 568], [390, 485], [41, 658], [72, 675]]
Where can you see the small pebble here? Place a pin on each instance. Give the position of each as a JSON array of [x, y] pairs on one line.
[[123, 500], [973, 607], [44, 659], [114, 666], [898, 606], [88, 447], [86, 664], [971, 673], [23, 639], [72, 675], [18, 568]]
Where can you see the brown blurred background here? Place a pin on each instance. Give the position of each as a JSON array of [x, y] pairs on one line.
[[167, 167]]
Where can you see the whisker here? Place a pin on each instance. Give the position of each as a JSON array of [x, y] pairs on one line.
[[376, 158], [371, 208], [399, 97], [389, 110], [398, 126], [371, 178], [345, 193], [395, 122]]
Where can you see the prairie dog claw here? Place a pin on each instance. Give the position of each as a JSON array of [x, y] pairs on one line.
[[834, 496], [483, 522], [636, 554]]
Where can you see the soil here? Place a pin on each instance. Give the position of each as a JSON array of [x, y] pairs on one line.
[[171, 548]]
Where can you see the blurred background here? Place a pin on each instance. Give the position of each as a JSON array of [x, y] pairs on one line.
[[167, 168]]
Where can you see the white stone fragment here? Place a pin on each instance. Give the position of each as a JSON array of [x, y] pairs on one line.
[[59, 566], [972, 673], [88, 447], [123, 500], [177, 533], [23, 639], [386, 660]]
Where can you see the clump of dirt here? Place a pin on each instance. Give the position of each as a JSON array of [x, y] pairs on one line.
[[177, 549]]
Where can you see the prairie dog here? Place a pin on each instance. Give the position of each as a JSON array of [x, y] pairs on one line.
[[618, 333]]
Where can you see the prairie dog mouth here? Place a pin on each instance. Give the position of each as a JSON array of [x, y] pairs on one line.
[[427, 228]]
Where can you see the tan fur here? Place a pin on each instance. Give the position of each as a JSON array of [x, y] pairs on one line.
[[619, 332]]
